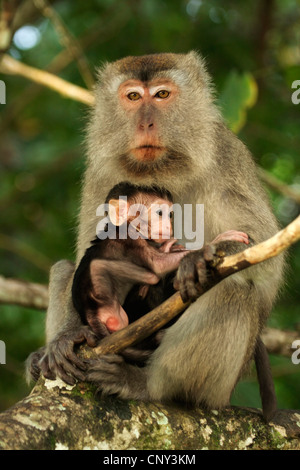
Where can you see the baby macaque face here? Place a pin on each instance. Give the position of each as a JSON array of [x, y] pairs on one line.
[[159, 220], [147, 216]]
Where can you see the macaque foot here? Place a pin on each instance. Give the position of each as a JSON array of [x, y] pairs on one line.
[[60, 359], [115, 377], [32, 366]]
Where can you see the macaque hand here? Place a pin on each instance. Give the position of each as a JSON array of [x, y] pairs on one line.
[[32, 364], [60, 359], [197, 268]]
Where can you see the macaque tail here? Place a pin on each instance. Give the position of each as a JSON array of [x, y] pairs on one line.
[[265, 379]]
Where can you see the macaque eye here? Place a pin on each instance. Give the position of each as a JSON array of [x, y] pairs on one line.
[[171, 214], [134, 96], [159, 212], [162, 94]]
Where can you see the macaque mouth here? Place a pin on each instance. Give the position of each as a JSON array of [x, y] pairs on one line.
[[147, 152], [148, 147], [170, 161]]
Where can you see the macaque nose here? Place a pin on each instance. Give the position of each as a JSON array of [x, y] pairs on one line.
[[146, 126]]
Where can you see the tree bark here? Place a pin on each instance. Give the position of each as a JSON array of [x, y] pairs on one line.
[[58, 416]]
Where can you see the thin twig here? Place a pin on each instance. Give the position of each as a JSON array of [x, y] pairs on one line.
[[68, 40], [7, 12], [9, 65]]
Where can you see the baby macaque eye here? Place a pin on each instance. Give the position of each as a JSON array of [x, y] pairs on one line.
[[159, 212], [162, 94], [133, 96]]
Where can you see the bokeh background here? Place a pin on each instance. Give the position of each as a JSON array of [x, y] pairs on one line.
[[252, 51]]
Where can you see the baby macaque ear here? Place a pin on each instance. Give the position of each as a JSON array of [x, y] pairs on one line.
[[117, 211]]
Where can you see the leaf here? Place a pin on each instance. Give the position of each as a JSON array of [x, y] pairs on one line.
[[238, 95]]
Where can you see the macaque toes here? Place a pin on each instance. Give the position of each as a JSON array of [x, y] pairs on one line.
[[155, 122], [145, 253]]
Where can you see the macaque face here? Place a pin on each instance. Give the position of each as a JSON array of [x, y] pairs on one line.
[[146, 103], [160, 220], [148, 216]]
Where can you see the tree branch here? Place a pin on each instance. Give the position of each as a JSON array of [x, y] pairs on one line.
[[26, 294], [8, 65], [56, 416], [68, 40], [279, 341], [278, 186]]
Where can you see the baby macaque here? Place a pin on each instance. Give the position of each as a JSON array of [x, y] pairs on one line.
[[132, 250], [136, 247]]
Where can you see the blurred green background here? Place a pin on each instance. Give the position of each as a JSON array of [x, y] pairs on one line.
[[252, 51]]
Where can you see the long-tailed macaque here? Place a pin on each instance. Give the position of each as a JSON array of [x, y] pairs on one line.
[[155, 122], [136, 247]]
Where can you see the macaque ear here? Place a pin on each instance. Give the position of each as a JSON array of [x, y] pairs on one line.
[[117, 211]]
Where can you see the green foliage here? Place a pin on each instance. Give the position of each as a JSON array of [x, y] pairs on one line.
[[42, 134], [239, 93]]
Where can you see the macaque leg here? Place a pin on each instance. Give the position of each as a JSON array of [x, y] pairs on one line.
[[63, 330], [109, 278], [111, 314]]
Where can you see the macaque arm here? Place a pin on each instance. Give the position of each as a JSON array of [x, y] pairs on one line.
[[63, 330], [162, 263], [125, 270]]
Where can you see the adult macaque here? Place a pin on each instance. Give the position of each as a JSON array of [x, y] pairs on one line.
[[155, 122]]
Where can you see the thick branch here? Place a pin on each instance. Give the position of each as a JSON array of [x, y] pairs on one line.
[[8, 65], [279, 341], [161, 315], [26, 294], [57, 416], [279, 186]]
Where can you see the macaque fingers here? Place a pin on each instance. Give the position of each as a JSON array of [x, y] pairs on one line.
[[232, 235]]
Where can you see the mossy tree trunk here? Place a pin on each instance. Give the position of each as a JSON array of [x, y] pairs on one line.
[[57, 416]]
